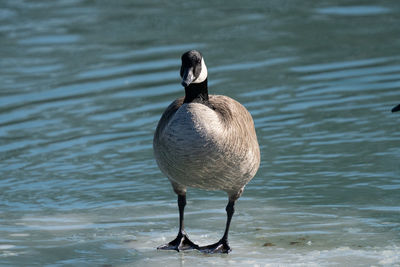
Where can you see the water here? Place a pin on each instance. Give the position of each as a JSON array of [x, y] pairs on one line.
[[84, 84]]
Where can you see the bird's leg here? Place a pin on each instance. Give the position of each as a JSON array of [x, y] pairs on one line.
[[182, 241], [222, 246]]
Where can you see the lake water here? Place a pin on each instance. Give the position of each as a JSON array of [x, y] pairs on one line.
[[84, 83]]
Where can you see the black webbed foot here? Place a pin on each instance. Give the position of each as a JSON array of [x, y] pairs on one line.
[[181, 242], [221, 246]]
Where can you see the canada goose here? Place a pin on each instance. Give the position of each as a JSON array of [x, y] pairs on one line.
[[208, 142], [396, 108]]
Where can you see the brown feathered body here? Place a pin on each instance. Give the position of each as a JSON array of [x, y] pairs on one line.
[[211, 146]]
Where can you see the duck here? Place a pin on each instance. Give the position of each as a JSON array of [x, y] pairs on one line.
[[396, 108], [208, 142]]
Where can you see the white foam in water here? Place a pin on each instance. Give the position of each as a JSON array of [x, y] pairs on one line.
[[56, 223], [4, 247], [20, 234]]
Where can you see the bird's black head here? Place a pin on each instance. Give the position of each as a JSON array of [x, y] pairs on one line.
[[193, 68]]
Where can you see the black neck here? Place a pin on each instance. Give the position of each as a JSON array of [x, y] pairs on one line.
[[196, 92]]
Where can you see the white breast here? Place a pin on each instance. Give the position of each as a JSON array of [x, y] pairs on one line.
[[195, 125], [190, 136]]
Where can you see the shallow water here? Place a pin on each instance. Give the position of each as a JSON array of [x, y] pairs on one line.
[[84, 84]]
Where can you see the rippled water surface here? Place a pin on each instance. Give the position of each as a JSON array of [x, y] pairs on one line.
[[83, 85]]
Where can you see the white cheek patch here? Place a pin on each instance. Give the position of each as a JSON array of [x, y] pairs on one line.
[[203, 74]]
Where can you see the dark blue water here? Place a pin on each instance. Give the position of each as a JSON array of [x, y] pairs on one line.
[[85, 83]]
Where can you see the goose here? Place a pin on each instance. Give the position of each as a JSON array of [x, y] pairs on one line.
[[207, 142], [396, 108]]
